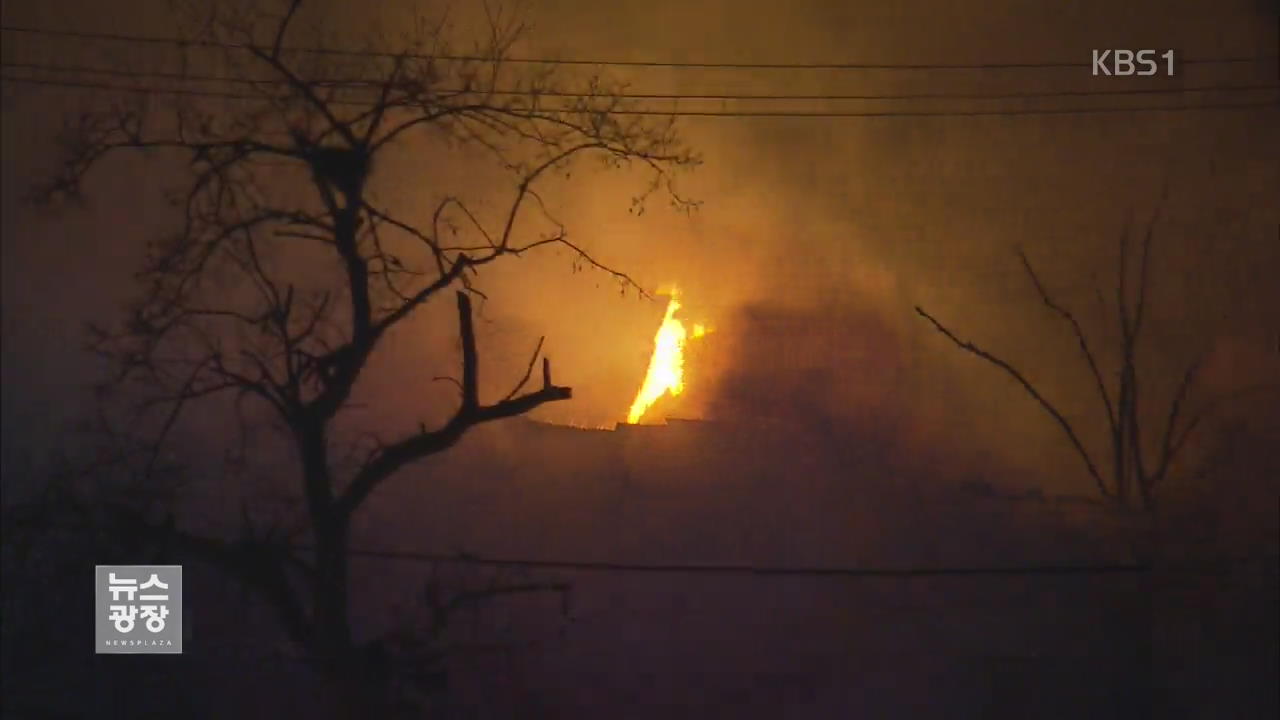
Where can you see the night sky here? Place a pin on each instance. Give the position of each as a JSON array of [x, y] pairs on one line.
[[823, 423]]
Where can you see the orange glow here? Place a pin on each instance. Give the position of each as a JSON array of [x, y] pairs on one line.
[[666, 367]]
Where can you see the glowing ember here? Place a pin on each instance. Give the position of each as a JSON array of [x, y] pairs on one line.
[[666, 367]]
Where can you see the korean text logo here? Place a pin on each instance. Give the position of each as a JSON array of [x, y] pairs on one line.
[[138, 608]]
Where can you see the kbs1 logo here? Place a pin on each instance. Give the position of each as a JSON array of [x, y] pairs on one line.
[[1126, 63], [138, 609]]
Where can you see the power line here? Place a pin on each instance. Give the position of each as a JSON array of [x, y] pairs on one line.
[[686, 113], [179, 42], [749, 570], [771, 97]]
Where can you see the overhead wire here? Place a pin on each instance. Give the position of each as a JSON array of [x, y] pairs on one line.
[[370, 83], [749, 570], [676, 112], [180, 42]]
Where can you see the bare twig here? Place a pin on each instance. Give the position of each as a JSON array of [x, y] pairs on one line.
[[1017, 375]]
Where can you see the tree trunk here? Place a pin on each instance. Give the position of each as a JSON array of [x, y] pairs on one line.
[[334, 647], [332, 624], [331, 646]]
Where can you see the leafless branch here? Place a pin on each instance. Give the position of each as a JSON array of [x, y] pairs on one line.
[[284, 26], [1089, 357], [469, 413], [1013, 372], [528, 371]]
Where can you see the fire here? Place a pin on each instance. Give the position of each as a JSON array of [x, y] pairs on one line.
[[666, 367]]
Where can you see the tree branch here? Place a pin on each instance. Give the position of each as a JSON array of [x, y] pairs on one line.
[[470, 367], [282, 28], [1016, 375], [1089, 357], [546, 374], [392, 457]]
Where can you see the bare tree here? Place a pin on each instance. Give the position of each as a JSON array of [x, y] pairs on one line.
[[280, 190], [1136, 467]]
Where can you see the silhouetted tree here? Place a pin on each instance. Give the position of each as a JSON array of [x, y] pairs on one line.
[[280, 191], [1135, 466]]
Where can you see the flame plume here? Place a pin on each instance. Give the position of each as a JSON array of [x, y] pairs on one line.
[[666, 367]]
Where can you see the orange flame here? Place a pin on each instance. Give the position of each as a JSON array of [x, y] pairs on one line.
[[666, 366]]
